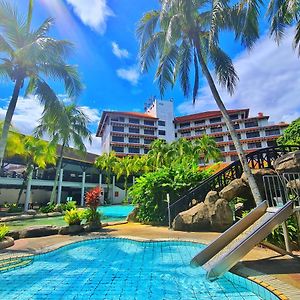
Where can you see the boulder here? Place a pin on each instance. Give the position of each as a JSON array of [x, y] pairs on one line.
[[211, 197], [38, 231], [31, 212], [15, 234], [237, 188], [132, 217], [54, 214], [294, 184], [289, 162], [221, 217], [72, 229], [6, 242]]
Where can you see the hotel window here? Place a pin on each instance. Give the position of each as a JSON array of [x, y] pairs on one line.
[[221, 148], [134, 130], [149, 123], [117, 138], [134, 150], [118, 119], [234, 117], [216, 129], [183, 125], [148, 131], [253, 134], [118, 149], [231, 147], [134, 121], [236, 126], [215, 120], [251, 124], [161, 132], [162, 123], [238, 135], [146, 151], [184, 134], [118, 128], [200, 122], [271, 143], [219, 138], [147, 142], [200, 132], [134, 140], [272, 132], [234, 157], [254, 145]]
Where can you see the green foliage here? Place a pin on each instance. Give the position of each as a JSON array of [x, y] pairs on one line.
[[277, 237], [69, 205], [149, 193], [91, 215], [50, 207], [291, 135], [3, 231], [73, 217], [13, 208]]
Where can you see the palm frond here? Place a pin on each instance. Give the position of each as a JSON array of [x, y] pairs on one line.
[[4, 71], [43, 29], [5, 46]]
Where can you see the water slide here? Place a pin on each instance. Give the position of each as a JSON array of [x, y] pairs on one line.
[[224, 252]]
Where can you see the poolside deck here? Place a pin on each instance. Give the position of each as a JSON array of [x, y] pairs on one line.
[[280, 271]]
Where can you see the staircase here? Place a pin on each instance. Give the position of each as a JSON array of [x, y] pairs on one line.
[[260, 159]]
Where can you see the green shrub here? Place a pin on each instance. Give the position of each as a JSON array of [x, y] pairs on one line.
[[69, 205], [3, 231], [13, 208], [91, 215], [149, 193], [50, 207], [73, 217]]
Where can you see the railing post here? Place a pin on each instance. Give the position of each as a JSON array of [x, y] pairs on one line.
[[169, 212], [286, 237]]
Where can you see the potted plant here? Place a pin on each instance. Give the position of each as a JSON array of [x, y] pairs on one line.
[[92, 201], [73, 217]]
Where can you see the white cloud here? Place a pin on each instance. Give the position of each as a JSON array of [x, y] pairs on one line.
[[29, 111], [269, 82], [118, 52], [130, 74], [93, 13]]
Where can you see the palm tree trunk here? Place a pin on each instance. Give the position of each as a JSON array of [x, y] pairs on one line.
[[24, 183], [126, 188], [8, 117], [241, 154], [53, 192]]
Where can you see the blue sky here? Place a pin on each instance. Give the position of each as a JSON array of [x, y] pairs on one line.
[[103, 32]]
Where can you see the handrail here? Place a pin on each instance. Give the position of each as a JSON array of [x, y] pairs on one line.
[[262, 158]]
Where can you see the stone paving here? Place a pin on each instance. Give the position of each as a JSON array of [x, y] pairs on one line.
[[278, 271]]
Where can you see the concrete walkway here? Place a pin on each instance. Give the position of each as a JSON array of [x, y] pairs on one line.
[[278, 271]]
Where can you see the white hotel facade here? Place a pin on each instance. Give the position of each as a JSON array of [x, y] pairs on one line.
[[131, 133]]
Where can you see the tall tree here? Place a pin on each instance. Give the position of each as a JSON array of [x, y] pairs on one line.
[[291, 135], [30, 55], [185, 34], [36, 153], [107, 163], [70, 127], [207, 147], [124, 167]]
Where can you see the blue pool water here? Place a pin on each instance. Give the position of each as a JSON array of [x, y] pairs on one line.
[[115, 212], [113, 268]]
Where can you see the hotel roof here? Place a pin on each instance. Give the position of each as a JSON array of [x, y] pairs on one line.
[[209, 114]]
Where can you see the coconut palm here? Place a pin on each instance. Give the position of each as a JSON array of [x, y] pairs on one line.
[[124, 167], [68, 128], [31, 56], [159, 154], [36, 153], [207, 147], [184, 34], [107, 163]]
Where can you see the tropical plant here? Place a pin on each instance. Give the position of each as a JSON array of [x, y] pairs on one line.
[[150, 190], [207, 147], [49, 207], [30, 55], [291, 135], [92, 201], [185, 33], [124, 167], [70, 127], [159, 154], [107, 162], [69, 205], [13, 208], [4, 230], [36, 153], [73, 217]]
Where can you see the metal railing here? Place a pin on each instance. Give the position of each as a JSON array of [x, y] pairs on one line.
[[260, 159]]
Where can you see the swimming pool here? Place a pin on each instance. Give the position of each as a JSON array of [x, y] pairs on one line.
[[114, 268], [115, 212]]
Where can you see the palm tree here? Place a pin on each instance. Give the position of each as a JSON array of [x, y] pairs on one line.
[[68, 128], [159, 153], [207, 147], [124, 167], [30, 55], [107, 162], [38, 153], [185, 33], [282, 14]]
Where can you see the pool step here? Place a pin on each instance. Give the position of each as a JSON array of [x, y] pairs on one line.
[[8, 265]]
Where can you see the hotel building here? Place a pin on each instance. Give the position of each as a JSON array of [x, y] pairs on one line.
[[131, 133]]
